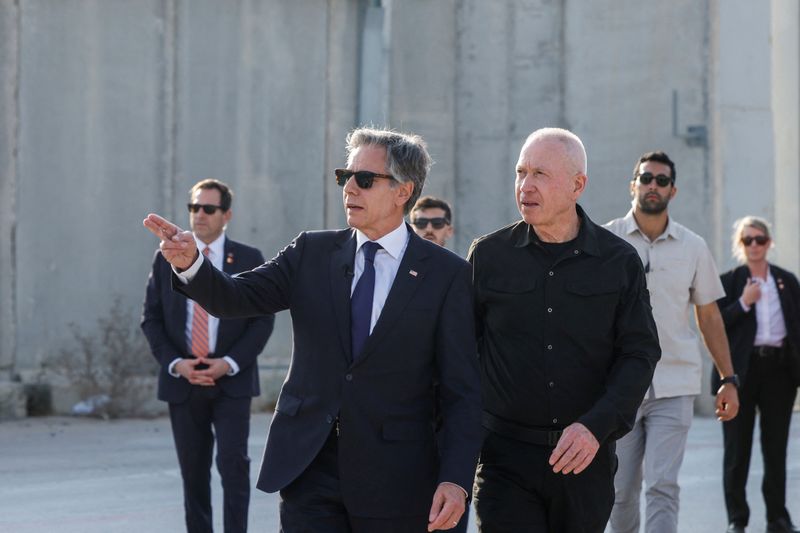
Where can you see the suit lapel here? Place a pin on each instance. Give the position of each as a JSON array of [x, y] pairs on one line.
[[341, 278], [230, 267], [229, 261], [783, 294], [408, 279]]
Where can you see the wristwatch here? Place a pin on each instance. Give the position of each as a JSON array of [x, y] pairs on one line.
[[731, 379]]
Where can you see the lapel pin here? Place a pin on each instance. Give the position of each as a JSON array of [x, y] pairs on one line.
[[413, 273], [229, 260]]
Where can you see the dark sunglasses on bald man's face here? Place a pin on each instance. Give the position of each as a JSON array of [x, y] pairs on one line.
[[760, 240], [364, 178], [437, 222], [662, 180], [208, 209]]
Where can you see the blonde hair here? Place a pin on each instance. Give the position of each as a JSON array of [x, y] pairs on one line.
[[750, 221]]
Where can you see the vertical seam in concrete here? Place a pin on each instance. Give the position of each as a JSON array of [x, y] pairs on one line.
[[170, 95], [457, 55], [326, 104], [509, 72], [13, 179], [713, 175], [387, 53], [562, 68]]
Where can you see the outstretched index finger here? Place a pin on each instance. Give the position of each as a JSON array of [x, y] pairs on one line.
[[161, 227]]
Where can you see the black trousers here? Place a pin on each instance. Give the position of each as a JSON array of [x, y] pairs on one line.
[[206, 414], [312, 503], [768, 389], [516, 490]]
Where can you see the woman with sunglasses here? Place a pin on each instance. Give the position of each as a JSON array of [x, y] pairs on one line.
[[761, 319]]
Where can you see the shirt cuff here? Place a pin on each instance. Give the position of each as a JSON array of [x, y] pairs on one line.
[[188, 275], [171, 368], [745, 307], [234, 368], [466, 494]]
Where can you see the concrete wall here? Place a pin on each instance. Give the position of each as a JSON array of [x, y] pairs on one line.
[[9, 123], [110, 110]]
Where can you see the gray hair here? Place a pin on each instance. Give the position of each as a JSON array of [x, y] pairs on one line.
[[571, 142], [749, 221], [407, 157]]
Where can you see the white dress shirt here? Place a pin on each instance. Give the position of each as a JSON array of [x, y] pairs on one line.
[[770, 327], [387, 262]]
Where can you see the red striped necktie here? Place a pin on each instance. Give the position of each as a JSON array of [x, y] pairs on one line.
[[200, 326]]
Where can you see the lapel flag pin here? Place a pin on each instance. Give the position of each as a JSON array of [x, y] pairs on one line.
[[413, 273], [229, 260]]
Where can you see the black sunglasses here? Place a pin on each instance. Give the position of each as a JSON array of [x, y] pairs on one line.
[[662, 180], [364, 178], [208, 209], [437, 222], [760, 240]]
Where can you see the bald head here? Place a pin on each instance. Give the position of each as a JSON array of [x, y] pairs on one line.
[[573, 147]]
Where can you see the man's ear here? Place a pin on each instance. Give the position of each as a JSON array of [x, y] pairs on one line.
[[579, 184], [633, 188], [404, 191]]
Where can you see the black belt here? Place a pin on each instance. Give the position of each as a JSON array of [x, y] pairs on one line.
[[542, 437], [766, 351]]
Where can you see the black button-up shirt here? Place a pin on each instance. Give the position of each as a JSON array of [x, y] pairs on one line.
[[566, 331]]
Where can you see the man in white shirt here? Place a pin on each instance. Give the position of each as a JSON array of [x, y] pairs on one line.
[[208, 370], [680, 274]]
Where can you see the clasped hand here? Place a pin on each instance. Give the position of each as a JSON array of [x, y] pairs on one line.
[[206, 377]]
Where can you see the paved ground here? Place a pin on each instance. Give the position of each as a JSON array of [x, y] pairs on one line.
[[72, 475]]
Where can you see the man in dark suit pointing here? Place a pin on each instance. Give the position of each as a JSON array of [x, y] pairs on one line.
[[208, 366], [378, 315]]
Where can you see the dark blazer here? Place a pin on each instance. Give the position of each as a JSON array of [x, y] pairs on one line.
[[741, 326], [389, 464], [164, 325]]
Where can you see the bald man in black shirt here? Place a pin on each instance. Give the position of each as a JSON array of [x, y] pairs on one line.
[[568, 347]]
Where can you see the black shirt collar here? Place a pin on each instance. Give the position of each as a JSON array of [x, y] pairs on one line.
[[586, 241]]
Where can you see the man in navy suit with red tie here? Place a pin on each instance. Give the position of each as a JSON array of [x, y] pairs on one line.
[[379, 315], [208, 366]]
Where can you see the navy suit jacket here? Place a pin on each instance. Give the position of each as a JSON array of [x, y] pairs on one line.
[[389, 459], [741, 326], [164, 325]]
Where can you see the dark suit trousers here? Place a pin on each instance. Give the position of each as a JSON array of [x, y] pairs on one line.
[[517, 491], [768, 389], [313, 503], [195, 423]]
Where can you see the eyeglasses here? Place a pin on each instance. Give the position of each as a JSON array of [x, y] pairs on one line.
[[437, 222], [760, 240], [208, 209], [662, 180], [364, 178]]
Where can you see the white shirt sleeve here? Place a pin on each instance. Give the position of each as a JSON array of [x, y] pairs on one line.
[[234, 367], [188, 275]]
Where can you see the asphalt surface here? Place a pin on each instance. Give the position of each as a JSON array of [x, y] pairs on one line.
[[79, 475]]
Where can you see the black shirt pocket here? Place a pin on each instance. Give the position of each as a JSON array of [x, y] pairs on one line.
[[509, 304]]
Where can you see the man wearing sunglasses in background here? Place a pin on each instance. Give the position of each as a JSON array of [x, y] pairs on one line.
[[208, 366], [680, 274], [378, 314], [431, 219]]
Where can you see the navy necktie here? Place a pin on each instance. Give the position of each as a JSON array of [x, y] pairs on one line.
[[361, 300]]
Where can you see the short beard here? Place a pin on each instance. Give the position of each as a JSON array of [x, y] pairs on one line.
[[653, 208]]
